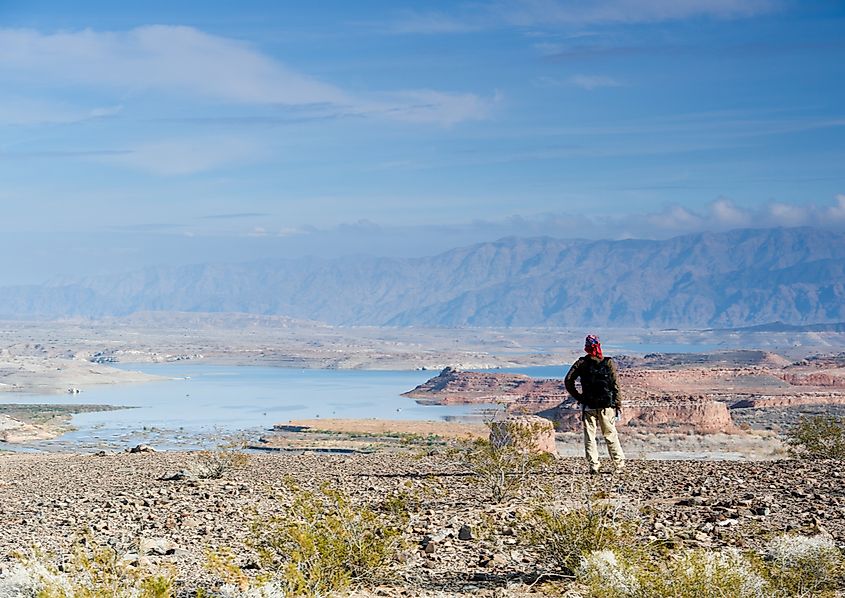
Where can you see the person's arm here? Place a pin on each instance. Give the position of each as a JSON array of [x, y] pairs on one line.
[[617, 392], [569, 381]]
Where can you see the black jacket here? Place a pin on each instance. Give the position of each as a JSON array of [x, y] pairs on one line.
[[578, 370]]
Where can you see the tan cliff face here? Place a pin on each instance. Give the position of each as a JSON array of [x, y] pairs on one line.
[[828, 379], [666, 414], [658, 395]]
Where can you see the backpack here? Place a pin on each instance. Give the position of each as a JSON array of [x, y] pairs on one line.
[[597, 384]]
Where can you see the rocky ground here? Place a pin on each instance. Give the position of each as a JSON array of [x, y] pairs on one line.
[[124, 499]]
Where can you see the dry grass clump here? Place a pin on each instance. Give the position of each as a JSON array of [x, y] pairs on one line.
[[92, 571], [788, 567], [214, 464], [804, 566]]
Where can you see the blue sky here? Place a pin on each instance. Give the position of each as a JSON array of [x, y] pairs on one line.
[[144, 133]]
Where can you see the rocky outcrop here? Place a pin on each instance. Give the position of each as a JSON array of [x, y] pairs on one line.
[[659, 395], [517, 392], [835, 379], [789, 401], [528, 432], [548, 398], [695, 414]]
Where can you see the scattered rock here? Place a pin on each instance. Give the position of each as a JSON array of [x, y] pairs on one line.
[[465, 533], [157, 546]]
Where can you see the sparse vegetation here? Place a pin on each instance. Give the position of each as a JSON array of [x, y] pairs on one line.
[[690, 574], [322, 544], [214, 464], [804, 566], [562, 538], [92, 571], [503, 462], [818, 437], [788, 567]]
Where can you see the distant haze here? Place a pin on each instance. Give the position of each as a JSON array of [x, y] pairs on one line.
[[162, 134], [736, 278]]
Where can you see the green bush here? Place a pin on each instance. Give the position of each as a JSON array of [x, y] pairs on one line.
[[562, 538], [817, 437], [325, 544], [503, 462]]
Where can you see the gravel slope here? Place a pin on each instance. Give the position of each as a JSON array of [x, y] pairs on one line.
[[46, 499]]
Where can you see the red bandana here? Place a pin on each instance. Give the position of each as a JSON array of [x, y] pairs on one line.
[[593, 347]]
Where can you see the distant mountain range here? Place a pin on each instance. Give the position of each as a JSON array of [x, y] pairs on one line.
[[739, 278]]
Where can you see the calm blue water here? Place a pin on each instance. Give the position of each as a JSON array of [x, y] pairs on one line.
[[200, 400]]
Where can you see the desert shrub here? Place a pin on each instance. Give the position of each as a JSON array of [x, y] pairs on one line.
[[562, 538], [325, 544], [817, 437], [605, 575], [237, 584], [789, 567], [214, 464], [804, 566], [705, 574], [505, 460], [691, 574], [91, 571]]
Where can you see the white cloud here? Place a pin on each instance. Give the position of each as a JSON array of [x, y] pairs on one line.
[[431, 22], [165, 58], [675, 218], [726, 213], [33, 111], [573, 13], [186, 61], [837, 213], [429, 106], [591, 82], [596, 12], [185, 156], [783, 214]]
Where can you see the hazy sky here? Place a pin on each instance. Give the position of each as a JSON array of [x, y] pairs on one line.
[[145, 132]]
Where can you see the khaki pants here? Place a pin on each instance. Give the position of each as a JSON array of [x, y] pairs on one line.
[[603, 418]]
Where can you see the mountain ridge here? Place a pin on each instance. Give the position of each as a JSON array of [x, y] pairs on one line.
[[738, 278]]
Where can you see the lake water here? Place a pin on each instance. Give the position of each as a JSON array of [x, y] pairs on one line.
[[199, 403]]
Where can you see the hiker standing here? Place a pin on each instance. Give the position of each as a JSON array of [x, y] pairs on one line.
[[600, 400]]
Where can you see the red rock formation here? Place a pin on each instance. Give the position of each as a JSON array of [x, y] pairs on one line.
[[822, 379], [789, 401], [696, 414], [518, 392]]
